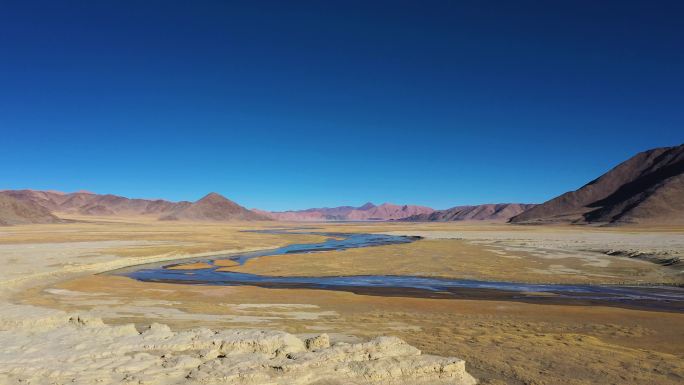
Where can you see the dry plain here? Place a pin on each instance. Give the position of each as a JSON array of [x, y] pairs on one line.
[[55, 266]]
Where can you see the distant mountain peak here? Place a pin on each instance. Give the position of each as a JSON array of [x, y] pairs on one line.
[[214, 207], [367, 206], [213, 197]]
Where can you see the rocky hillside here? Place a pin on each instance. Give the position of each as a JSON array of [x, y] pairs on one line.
[[488, 212], [647, 188], [367, 212], [16, 212]]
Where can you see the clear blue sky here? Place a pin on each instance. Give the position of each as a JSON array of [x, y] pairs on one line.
[[326, 103]]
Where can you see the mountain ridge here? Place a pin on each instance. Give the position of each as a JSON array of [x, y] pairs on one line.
[[484, 212], [212, 207], [366, 212], [646, 188]]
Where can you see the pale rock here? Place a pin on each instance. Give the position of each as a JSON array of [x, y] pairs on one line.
[[319, 342], [41, 346]]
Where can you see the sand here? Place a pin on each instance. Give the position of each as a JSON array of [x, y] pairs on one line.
[[190, 266]]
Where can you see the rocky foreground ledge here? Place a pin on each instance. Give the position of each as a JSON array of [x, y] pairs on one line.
[[45, 346]]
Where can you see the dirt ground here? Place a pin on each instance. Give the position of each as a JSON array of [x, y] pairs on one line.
[[501, 341], [457, 258]]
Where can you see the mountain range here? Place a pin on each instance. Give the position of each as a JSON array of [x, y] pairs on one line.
[[367, 212], [486, 212], [30, 206], [648, 188]]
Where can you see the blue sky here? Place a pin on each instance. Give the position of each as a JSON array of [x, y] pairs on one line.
[[288, 106]]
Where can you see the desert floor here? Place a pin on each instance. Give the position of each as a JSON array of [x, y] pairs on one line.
[[57, 266]]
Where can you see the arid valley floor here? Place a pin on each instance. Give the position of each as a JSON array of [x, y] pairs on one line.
[[67, 267]]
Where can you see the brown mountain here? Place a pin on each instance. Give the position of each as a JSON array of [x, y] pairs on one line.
[[16, 212], [647, 188], [48, 199], [487, 212], [86, 203], [315, 214], [116, 205], [368, 211], [295, 216], [387, 211], [213, 207]]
